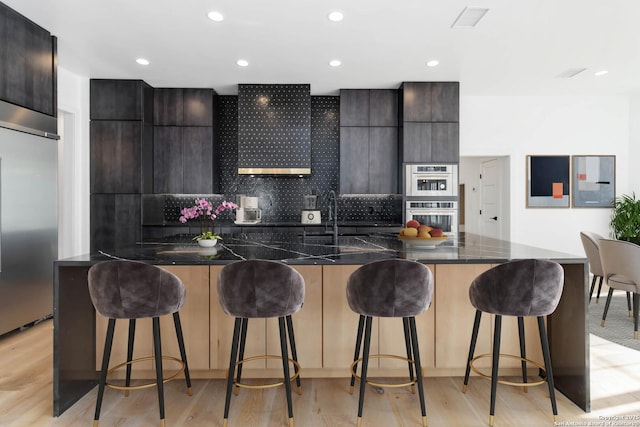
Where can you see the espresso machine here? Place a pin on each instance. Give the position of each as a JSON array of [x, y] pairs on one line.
[[310, 213]]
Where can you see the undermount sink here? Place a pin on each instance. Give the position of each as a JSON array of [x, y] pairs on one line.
[[326, 238]]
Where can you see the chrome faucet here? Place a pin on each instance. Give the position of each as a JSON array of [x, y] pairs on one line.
[[333, 214]]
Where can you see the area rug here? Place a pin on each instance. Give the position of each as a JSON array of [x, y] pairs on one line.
[[618, 327]]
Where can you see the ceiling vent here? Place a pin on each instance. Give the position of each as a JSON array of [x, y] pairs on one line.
[[469, 17], [570, 72]]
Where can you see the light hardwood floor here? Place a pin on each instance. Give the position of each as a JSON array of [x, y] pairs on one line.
[[26, 397]]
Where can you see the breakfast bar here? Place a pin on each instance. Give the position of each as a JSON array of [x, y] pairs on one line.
[[325, 325]]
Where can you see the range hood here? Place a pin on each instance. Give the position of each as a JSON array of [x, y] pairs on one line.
[[274, 129]]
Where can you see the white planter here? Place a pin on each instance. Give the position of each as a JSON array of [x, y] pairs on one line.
[[207, 243]]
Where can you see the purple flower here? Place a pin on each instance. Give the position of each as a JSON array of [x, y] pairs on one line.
[[203, 209]]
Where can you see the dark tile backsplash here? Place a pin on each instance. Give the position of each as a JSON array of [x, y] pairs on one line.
[[274, 126], [281, 197]]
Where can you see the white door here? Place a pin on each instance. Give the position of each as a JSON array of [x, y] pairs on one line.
[[490, 199]]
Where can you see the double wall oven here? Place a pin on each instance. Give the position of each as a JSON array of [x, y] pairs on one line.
[[432, 195]]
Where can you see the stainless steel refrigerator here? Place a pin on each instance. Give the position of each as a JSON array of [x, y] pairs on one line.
[[28, 227]]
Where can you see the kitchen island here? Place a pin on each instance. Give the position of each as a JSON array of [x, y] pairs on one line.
[[325, 327]]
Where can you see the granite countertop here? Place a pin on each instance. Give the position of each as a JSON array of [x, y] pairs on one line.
[[294, 248]]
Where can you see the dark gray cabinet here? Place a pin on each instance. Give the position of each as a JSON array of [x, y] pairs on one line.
[[121, 100], [117, 150], [183, 160], [28, 63], [383, 160], [121, 156], [167, 159], [368, 107], [354, 160], [383, 107], [354, 107], [430, 102], [430, 122], [430, 142], [368, 141], [184, 107], [115, 221], [368, 160]]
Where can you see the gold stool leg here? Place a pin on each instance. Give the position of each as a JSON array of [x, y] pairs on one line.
[[491, 420]]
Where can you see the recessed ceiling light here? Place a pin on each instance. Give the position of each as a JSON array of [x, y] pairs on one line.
[[336, 16], [469, 17], [600, 73], [215, 16], [242, 62], [432, 63], [142, 61], [335, 62]]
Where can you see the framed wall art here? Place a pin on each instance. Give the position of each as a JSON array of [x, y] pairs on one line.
[[548, 181], [593, 181]]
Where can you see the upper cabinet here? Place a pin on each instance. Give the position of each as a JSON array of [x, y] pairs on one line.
[[185, 141], [28, 63], [368, 107], [116, 155], [183, 107], [121, 136], [368, 141], [429, 115], [430, 101], [121, 100], [183, 160]]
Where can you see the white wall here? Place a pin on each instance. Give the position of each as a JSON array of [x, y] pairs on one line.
[[516, 126], [634, 143], [73, 169]]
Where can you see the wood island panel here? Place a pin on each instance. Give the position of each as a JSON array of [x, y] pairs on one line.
[[340, 324], [391, 339], [455, 315], [221, 332], [307, 323]]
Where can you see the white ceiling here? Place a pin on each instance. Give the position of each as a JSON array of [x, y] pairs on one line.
[[518, 48]]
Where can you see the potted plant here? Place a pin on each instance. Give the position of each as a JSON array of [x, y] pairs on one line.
[[625, 218], [203, 211]]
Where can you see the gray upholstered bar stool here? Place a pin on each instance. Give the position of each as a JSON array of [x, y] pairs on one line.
[[389, 288], [522, 288], [261, 289], [133, 290]]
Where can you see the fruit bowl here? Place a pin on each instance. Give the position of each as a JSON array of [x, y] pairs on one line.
[[423, 242]]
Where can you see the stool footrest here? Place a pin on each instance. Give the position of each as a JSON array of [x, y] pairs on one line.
[[509, 356], [147, 385], [262, 357], [376, 384]]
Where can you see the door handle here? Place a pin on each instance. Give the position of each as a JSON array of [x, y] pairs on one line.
[[495, 218]]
